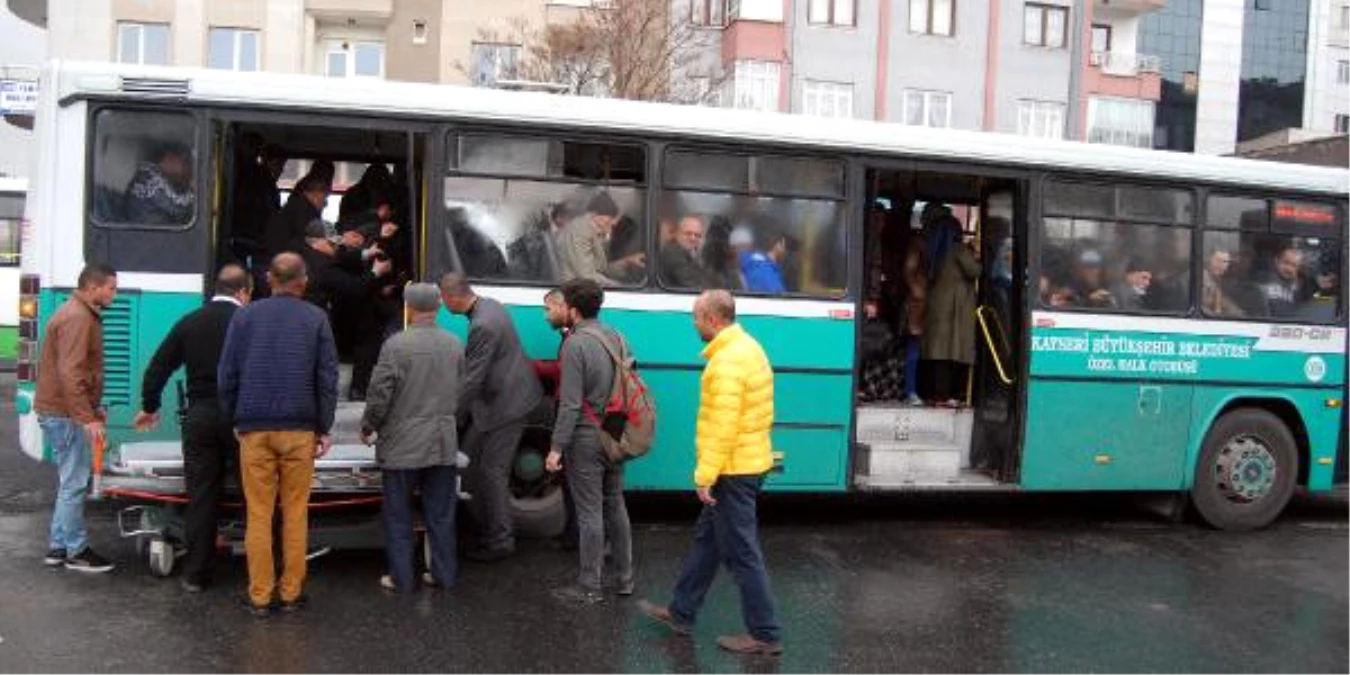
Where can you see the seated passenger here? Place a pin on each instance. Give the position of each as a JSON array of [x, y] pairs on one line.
[[763, 268], [1283, 285], [680, 267], [161, 191], [583, 249], [721, 260], [1130, 292], [1213, 298], [1089, 283], [1324, 304]]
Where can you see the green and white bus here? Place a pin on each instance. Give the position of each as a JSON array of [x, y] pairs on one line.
[[1162, 370], [13, 191]]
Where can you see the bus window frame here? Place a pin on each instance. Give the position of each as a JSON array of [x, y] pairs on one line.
[[1038, 239], [444, 145], [1341, 235], [847, 201], [201, 165]]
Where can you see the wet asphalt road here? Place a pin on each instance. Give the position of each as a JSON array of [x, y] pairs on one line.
[[913, 583]]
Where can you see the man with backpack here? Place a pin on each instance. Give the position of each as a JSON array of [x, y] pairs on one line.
[[735, 415], [596, 362]]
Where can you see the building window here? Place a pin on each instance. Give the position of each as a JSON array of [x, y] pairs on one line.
[[827, 99], [1042, 119], [233, 49], [928, 108], [1343, 17], [712, 13], [494, 61], [1343, 124], [1343, 72], [755, 86], [932, 17], [831, 12], [354, 59], [1046, 25], [143, 43], [1120, 121], [1101, 37]]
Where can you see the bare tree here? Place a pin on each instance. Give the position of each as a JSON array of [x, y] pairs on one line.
[[632, 49]]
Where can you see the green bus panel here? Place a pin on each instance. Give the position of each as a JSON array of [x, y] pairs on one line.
[[9, 343], [1106, 435], [812, 390]]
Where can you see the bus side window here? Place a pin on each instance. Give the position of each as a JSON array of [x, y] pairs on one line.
[[522, 208], [143, 192], [768, 225]]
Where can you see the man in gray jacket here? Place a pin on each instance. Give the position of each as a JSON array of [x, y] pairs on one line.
[[500, 391], [595, 481], [410, 415]]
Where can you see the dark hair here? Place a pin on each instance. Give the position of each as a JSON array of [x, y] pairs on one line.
[[1135, 264], [552, 293], [167, 148], [584, 295], [455, 285], [310, 183], [94, 275], [602, 205], [231, 279], [769, 237]]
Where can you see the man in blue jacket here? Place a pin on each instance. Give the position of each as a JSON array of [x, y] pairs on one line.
[[278, 379], [762, 269]]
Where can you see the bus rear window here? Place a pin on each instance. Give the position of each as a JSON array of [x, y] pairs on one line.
[[143, 169]]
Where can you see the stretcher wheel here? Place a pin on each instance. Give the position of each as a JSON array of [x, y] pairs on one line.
[[160, 556]]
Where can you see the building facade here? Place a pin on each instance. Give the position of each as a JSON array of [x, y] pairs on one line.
[[1186, 75]]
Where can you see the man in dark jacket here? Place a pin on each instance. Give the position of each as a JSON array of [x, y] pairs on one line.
[[346, 284], [278, 382], [500, 391], [286, 232], [195, 342], [680, 266], [410, 416]]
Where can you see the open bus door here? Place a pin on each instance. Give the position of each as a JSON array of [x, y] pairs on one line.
[[999, 325]]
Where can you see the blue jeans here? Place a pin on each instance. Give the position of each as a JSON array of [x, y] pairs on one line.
[[912, 366], [438, 507], [74, 462], [727, 534]]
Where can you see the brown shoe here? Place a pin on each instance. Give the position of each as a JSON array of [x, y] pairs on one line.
[[661, 614], [744, 644]]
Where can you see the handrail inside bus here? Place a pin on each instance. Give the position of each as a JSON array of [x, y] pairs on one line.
[[989, 342]]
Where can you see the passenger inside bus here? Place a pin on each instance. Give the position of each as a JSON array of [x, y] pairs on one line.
[[161, 191]]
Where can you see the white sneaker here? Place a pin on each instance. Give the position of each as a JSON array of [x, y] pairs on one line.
[[913, 400]]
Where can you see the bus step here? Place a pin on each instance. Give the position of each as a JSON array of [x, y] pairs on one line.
[[922, 427], [964, 480], [910, 462]]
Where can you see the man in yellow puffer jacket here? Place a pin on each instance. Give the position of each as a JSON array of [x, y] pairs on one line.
[[734, 454]]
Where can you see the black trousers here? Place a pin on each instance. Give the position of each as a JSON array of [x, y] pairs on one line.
[[208, 446]]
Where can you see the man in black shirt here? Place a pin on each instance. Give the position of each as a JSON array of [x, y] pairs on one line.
[[195, 342]]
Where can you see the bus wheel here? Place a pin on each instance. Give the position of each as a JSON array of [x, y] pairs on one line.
[[536, 498], [1247, 471]]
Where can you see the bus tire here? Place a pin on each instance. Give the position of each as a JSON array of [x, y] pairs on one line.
[[540, 517], [1247, 471]]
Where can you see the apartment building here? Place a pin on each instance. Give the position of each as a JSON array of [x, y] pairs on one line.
[[1192, 75]]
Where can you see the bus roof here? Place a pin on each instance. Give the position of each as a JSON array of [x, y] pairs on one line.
[[434, 101]]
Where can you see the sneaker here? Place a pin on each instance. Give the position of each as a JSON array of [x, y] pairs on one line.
[[661, 614], [317, 552], [256, 611], [745, 644], [576, 595], [624, 588], [191, 586], [55, 557], [89, 561], [292, 606], [913, 401], [429, 580], [387, 583]]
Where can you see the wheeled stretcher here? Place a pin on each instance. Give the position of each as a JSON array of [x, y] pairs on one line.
[[344, 500]]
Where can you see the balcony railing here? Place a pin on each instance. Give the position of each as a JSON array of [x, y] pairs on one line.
[[1125, 64]]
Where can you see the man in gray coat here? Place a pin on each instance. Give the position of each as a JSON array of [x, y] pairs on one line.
[[500, 391], [410, 415]]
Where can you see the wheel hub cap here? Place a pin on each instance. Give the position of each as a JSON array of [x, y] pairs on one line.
[[1246, 469]]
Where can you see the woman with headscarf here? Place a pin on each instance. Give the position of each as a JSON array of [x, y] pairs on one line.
[[949, 334]]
